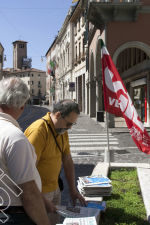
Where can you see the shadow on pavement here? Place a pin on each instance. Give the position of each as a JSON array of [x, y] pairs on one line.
[[30, 114]]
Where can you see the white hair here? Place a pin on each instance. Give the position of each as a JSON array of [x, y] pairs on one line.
[[13, 92]]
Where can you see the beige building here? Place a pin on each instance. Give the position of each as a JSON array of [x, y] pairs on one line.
[[61, 54], [35, 80], [1, 59], [68, 52], [79, 60], [51, 80]]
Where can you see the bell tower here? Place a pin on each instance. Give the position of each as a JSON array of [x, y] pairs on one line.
[[19, 53]]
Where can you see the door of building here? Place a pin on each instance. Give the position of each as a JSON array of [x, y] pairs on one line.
[[140, 102]]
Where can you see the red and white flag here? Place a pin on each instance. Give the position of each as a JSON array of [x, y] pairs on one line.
[[117, 101]]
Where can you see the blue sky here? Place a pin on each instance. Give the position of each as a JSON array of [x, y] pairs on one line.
[[34, 21]]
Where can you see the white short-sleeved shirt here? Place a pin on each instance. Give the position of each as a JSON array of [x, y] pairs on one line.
[[17, 161]]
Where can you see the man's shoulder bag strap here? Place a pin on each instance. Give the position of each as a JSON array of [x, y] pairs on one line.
[[60, 181], [52, 134]]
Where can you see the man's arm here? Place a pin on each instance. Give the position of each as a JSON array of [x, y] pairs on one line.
[[70, 176], [33, 203]]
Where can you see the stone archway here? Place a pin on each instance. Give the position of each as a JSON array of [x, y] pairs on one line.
[[133, 44], [134, 71], [92, 88]]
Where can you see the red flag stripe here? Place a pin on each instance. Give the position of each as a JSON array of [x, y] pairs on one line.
[[118, 102]]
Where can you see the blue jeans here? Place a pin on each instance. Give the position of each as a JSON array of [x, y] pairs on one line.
[[16, 219]]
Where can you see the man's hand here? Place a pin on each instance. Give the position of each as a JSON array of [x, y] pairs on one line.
[[69, 172], [76, 195], [50, 207]]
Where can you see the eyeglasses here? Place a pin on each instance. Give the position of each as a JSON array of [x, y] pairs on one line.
[[68, 124]]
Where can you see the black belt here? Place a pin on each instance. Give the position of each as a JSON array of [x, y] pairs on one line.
[[12, 209]]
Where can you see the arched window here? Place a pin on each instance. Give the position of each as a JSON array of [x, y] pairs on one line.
[[129, 58]]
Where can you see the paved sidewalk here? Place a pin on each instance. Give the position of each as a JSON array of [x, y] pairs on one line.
[[127, 152]]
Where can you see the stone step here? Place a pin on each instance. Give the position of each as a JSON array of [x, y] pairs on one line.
[[95, 143], [87, 134], [90, 139]]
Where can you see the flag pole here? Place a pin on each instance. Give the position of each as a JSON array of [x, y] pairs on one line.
[[107, 150]]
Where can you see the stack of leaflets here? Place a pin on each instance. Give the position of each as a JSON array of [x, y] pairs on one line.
[[94, 186]]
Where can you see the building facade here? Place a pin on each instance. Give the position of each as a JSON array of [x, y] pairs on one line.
[[79, 59], [61, 55], [125, 35], [51, 94], [122, 24], [68, 53]]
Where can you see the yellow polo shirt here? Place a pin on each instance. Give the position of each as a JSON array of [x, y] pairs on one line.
[[49, 157]]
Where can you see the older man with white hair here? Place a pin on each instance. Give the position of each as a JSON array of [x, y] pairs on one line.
[[20, 183]]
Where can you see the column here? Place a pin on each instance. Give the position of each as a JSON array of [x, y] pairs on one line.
[[83, 93]]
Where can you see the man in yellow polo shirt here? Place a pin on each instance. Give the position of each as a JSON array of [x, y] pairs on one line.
[[49, 136]]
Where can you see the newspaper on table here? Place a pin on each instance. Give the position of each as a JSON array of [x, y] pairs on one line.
[[94, 186], [80, 221], [77, 212], [97, 205]]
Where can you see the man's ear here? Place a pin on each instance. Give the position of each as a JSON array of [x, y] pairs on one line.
[[58, 115]]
